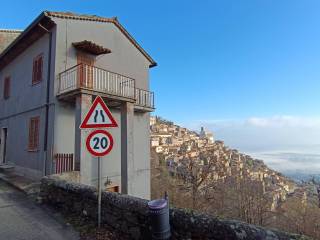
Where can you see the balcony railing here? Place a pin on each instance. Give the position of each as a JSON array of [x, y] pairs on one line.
[[96, 79], [92, 78], [144, 98]]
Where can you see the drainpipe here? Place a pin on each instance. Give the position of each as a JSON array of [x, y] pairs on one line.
[[46, 129]]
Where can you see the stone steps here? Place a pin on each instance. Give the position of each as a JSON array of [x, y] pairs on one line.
[[4, 168], [26, 185]]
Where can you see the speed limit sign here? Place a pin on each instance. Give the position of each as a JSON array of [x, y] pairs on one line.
[[99, 143]]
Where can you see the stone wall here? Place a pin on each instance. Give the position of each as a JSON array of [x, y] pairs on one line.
[[129, 215]]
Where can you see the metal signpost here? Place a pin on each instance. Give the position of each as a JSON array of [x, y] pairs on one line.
[[99, 142]]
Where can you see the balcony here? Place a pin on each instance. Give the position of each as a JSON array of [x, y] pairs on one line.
[[144, 99], [93, 80]]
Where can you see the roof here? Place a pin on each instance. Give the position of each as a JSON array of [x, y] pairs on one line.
[[11, 31], [95, 18], [44, 22], [7, 36], [33, 32], [91, 47]]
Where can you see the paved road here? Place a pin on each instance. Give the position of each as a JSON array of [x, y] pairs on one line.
[[22, 219]]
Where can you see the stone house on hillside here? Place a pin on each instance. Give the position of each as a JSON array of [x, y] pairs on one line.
[[49, 75]]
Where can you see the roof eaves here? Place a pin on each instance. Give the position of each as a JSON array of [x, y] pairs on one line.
[[77, 17], [11, 30], [69, 15], [114, 20], [23, 33], [134, 42]]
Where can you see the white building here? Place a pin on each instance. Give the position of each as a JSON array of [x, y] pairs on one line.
[[49, 76], [153, 120]]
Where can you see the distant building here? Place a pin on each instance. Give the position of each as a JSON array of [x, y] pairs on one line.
[[208, 135], [155, 142], [153, 120]]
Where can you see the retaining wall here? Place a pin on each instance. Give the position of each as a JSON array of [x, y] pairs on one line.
[[129, 215]]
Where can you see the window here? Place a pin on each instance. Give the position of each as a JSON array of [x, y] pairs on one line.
[[6, 88], [34, 133], [37, 69]]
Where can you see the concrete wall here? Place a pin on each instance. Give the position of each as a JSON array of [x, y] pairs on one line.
[[142, 182], [125, 59], [129, 215], [25, 101]]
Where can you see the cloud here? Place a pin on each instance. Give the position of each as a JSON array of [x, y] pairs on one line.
[[275, 134], [257, 132], [284, 121], [291, 162]]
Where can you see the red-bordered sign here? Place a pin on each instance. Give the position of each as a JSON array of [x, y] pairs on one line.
[[99, 116], [99, 143]]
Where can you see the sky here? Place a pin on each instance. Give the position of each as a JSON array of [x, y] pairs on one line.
[[247, 70]]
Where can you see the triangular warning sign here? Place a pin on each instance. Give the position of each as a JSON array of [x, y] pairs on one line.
[[99, 116]]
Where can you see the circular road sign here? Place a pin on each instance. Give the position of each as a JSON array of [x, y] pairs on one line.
[[99, 143]]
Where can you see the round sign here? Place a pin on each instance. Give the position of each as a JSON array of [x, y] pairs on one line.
[[99, 143]]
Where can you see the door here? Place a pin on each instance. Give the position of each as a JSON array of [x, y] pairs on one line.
[[3, 143], [85, 70]]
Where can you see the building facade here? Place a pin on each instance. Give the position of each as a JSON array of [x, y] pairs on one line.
[[49, 76]]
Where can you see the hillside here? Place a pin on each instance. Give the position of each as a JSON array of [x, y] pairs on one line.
[[206, 175]]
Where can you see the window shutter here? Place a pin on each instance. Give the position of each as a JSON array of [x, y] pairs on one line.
[[6, 88], [34, 71], [37, 69], [30, 145], [34, 133], [39, 72]]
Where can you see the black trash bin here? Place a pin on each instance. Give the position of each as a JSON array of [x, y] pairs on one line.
[[159, 216]]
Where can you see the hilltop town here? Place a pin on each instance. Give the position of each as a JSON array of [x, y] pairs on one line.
[[177, 146], [209, 176]]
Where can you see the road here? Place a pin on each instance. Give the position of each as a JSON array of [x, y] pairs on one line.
[[22, 219]]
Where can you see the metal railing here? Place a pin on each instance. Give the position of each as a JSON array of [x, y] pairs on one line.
[[83, 76], [96, 79], [63, 162], [144, 98]]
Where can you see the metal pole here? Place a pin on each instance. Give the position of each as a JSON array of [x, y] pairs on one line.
[[99, 192]]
